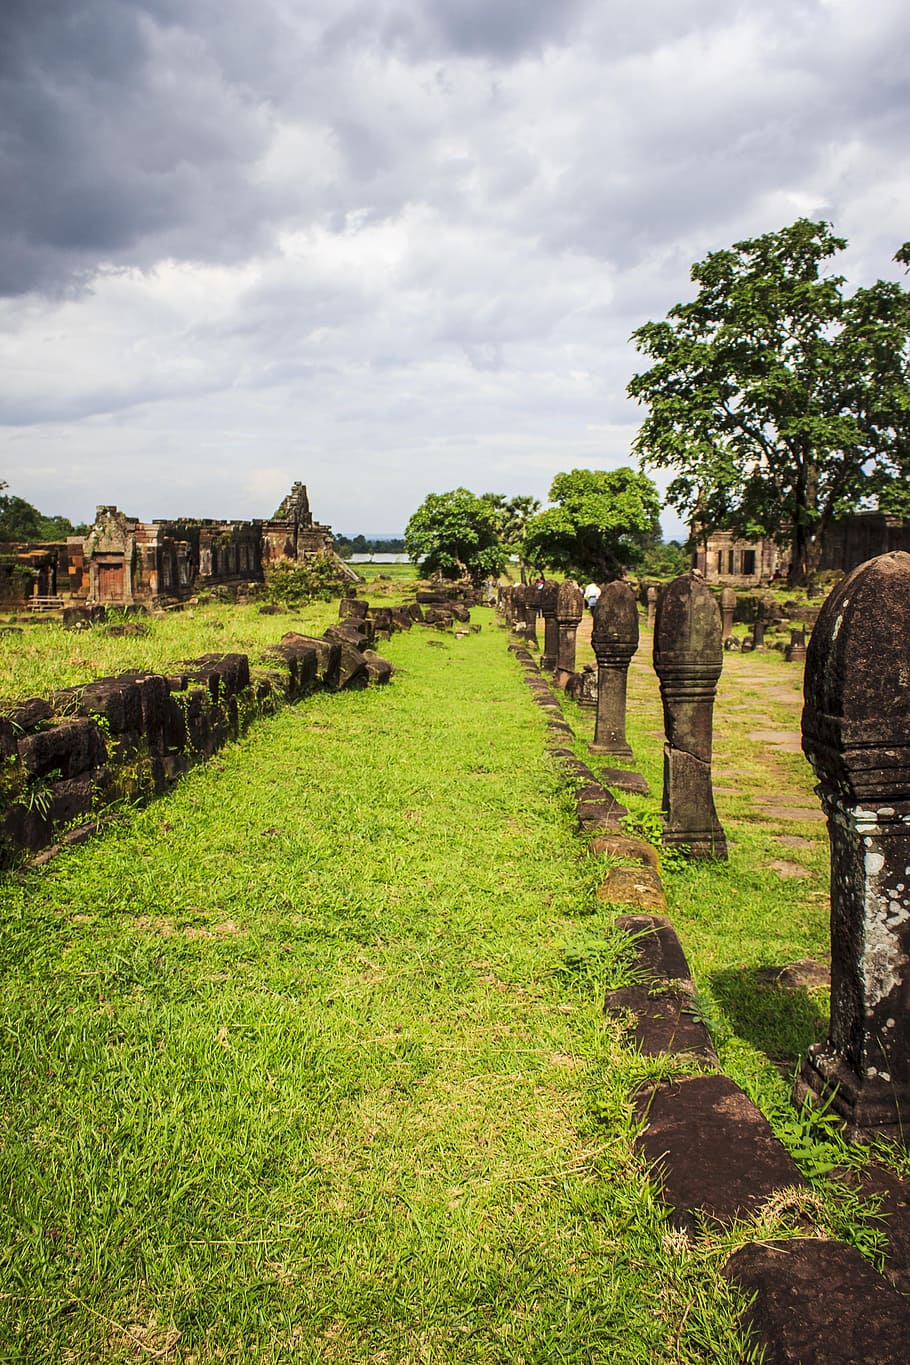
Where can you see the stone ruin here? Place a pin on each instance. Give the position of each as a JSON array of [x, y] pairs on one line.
[[70, 755], [122, 561], [856, 735]]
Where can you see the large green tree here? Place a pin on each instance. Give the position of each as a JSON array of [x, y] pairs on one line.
[[600, 524], [780, 401], [457, 535], [513, 515], [20, 521]]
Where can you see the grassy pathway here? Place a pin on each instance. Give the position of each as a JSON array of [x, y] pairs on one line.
[[306, 1061]]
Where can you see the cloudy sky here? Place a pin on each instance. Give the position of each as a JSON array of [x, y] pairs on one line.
[[393, 246]]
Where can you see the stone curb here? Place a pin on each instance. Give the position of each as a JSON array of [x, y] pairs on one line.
[[711, 1149], [132, 736]]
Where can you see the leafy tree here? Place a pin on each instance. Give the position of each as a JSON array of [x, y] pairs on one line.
[[457, 535], [20, 521], [514, 515], [665, 559], [780, 402], [600, 525]]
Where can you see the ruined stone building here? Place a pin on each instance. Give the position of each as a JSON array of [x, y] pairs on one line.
[[724, 558], [125, 561]]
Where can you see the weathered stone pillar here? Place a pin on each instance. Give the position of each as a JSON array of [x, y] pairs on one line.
[[652, 606], [795, 652], [758, 633], [570, 606], [727, 610], [529, 613], [547, 599], [614, 639], [507, 605], [856, 735], [688, 658]]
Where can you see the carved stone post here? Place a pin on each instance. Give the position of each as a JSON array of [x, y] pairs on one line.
[[795, 652], [529, 613], [856, 735], [758, 633], [652, 606], [688, 658], [570, 606], [727, 610], [507, 606], [547, 599], [614, 638]]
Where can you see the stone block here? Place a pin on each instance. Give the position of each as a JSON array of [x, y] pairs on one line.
[[379, 669], [625, 781], [328, 655], [302, 662], [72, 746], [819, 1303], [29, 715], [713, 1149], [352, 668], [22, 828], [616, 845], [638, 886], [665, 1022], [658, 950], [353, 607], [118, 700], [350, 633]]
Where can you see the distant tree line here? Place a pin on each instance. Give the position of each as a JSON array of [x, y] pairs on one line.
[[20, 521], [363, 545]]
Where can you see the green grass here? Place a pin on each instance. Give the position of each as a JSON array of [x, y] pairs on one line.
[[395, 573], [306, 1061], [45, 656]]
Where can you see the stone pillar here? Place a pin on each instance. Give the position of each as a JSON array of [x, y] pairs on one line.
[[652, 606], [614, 639], [529, 611], [570, 606], [727, 609], [795, 652], [688, 658], [758, 633], [547, 598], [856, 735]]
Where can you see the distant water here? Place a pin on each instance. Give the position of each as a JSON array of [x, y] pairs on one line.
[[379, 559]]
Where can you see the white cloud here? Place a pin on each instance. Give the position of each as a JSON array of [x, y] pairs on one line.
[[391, 248]]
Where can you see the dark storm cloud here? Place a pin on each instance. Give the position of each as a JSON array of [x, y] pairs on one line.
[[122, 142]]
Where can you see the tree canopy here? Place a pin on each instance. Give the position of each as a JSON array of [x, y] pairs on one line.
[[20, 521], [600, 524], [780, 402], [457, 535], [513, 516]]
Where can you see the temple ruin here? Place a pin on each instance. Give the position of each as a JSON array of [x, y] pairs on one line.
[[124, 562]]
